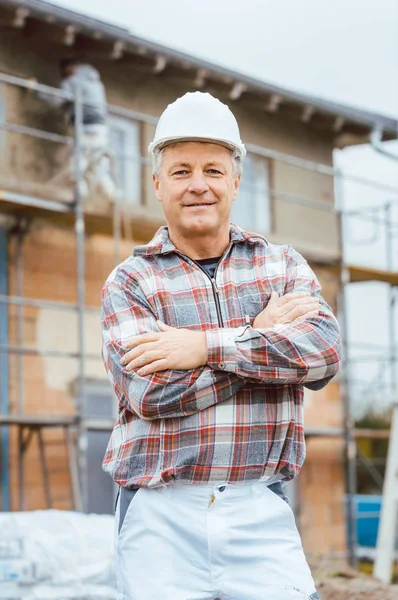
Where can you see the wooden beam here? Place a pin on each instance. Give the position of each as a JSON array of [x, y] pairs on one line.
[[359, 274], [21, 15], [338, 123], [200, 78], [307, 114], [237, 90], [343, 140], [118, 50], [374, 434], [337, 432], [70, 35], [274, 102], [160, 64]]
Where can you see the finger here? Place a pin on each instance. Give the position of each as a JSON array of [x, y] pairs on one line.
[[297, 312], [274, 298], [135, 341], [293, 296], [158, 365], [136, 352], [162, 326], [301, 309], [145, 359], [307, 301]]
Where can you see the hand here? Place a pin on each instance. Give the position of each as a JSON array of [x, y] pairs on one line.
[[286, 309], [172, 348], [32, 81]]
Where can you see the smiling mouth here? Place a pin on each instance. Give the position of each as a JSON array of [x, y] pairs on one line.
[[200, 204]]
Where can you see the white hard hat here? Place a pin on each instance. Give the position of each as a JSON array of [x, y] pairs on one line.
[[198, 117]]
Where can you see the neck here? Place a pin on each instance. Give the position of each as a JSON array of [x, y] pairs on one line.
[[203, 246]]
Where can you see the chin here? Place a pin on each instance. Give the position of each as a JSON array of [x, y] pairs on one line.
[[203, 226]]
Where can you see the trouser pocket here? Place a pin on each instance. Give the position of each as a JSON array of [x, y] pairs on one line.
[[125, 498], [278, 490]]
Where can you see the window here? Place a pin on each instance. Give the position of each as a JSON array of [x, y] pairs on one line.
[[124, 139], [251, 209]]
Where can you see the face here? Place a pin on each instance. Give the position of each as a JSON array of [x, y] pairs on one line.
[[196, 187]]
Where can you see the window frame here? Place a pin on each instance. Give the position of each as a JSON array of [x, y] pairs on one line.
[[259, 191], [132, 192]]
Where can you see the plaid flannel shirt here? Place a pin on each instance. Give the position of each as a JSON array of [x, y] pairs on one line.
[[239, 418]]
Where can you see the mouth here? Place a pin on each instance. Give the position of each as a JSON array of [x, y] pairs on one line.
[[197, 204]]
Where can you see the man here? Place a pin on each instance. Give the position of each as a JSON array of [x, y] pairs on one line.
[[210, 334], [95, 166]]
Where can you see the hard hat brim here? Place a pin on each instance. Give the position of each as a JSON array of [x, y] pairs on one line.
[[240, 150]]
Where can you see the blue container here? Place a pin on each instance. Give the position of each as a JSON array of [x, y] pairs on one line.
[[367, 519]]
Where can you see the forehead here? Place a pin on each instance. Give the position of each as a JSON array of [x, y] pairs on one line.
[[196, 152]]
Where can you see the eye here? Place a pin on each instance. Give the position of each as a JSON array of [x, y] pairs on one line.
[[214, 171], [181, 172]]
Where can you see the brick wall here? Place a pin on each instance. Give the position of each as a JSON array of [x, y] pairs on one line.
[[47, 388], [322, 479]]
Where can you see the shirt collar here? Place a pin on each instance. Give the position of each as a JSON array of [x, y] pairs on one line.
[[161, 243]]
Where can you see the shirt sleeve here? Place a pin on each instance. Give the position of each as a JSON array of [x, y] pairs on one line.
[[307, 351], [171, 393]]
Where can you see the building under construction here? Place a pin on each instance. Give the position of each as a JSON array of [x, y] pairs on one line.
[[57, 248]]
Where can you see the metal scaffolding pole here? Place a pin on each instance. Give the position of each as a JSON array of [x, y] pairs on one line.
[[80, 267], [392, 301], [389, 512], [349, 438], [20, 363], [4, 462]]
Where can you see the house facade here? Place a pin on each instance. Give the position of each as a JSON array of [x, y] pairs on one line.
[[287, 194]]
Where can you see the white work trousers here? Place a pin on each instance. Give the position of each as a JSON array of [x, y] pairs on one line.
[[98, 183], [204, 542], [96, 165]]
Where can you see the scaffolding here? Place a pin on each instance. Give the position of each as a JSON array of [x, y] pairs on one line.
[[77, 425]]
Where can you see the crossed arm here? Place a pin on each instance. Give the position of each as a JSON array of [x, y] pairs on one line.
[[172, 392], [168, 372]]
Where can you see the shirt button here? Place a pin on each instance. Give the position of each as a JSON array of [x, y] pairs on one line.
[[221, 365]]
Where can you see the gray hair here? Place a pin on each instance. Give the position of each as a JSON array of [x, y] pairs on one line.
[[157, 157]]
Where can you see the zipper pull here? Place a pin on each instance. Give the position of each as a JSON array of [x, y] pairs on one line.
[[215, 286]]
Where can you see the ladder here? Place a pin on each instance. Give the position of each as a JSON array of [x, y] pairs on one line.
[[385, 548]]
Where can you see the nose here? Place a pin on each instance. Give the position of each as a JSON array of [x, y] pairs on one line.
[[198, 184]]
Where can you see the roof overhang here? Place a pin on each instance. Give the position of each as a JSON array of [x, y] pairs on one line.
[[343, 124]]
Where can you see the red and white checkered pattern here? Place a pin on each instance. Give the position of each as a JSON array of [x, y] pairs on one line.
[[240, 417]]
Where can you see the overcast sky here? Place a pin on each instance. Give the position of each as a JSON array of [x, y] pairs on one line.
[[345, 50], [341, 50]]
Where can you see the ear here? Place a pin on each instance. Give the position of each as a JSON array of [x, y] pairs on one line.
[[236, 186], [156, 184]]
